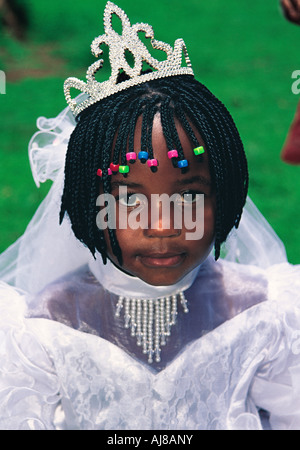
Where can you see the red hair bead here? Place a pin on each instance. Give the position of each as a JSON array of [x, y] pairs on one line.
[[114, 167]]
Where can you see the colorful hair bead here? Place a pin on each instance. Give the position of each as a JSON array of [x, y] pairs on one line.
[[131, 157], [199, 150], [114, 167], [124, 169], [143, 156], [172, 154], [182, 164], [100, 172], [152, 163]]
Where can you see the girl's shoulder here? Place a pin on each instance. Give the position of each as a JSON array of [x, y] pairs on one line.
[[241, 286], [274, 280], [233, 283], [68, 299]]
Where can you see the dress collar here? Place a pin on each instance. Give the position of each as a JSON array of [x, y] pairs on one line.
[[118, 282]]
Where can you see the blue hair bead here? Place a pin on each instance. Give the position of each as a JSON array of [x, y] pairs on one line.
[[182, 163], [143, 156]]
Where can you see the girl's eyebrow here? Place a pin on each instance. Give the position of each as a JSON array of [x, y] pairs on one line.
[[195, 179], [130, 184], [183, 181]]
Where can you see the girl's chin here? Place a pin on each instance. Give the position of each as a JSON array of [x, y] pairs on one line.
[[156, 272], [161, 277]]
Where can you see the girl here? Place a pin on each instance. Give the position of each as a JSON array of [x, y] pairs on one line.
[[91, 333]]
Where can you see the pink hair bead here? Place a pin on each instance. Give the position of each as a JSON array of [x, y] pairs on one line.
[[131, 157], [109, 171], [152, 162], [173, 154]]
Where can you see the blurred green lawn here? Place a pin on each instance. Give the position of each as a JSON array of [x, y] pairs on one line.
[[245, 52]]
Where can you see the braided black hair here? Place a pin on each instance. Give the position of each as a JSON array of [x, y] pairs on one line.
[[180, 97]]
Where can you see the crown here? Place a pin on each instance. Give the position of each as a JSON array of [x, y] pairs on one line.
[[118, 44]]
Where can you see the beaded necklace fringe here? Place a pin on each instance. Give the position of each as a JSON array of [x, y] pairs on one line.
[[150, 320]]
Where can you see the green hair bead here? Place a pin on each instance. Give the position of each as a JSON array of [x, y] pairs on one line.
[[199, 150], [123, 169]]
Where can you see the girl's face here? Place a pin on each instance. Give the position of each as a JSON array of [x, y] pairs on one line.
[[160, 251]]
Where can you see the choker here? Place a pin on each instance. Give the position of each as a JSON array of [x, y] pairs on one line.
[[149, 312]]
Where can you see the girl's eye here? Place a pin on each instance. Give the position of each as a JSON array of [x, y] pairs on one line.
[[130, 200], [189, 197]]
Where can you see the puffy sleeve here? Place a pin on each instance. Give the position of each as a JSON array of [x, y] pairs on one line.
[[276, 386], [29, 391]]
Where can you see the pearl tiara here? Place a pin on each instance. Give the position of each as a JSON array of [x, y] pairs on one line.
[[118, 45]]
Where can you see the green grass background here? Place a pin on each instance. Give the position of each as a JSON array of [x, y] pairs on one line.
[[245, 52]]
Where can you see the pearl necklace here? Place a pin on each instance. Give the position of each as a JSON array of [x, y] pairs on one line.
[[149, 311], [150, 320]]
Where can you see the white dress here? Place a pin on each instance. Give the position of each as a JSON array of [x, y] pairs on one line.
[[236, 353]]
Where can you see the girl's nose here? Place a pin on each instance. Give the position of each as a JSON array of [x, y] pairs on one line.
[[162, 220]]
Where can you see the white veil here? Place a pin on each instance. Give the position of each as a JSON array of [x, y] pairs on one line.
[[48, 250]]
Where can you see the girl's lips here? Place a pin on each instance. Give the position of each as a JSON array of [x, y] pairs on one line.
[[162, 259]]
